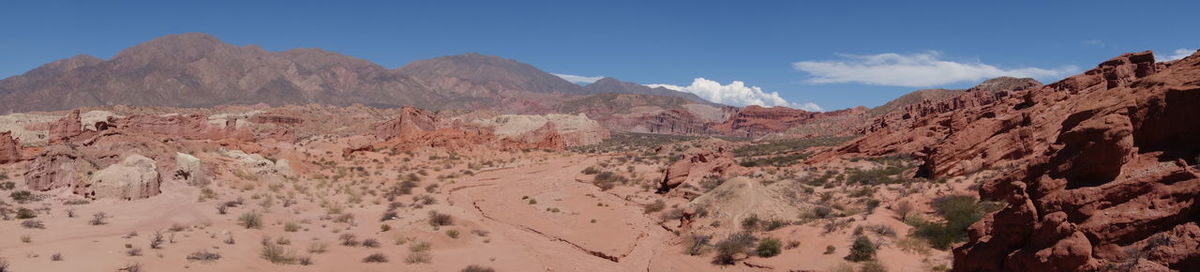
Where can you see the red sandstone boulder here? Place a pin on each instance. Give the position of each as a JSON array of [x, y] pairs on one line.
[[693, 168]]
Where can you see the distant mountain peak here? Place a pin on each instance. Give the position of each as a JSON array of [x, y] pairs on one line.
[[613, 85]]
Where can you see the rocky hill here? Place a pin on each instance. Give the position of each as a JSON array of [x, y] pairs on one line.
[[1098, 170], [199, 70]]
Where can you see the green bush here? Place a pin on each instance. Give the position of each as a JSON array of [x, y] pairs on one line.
[[768, 247], [437, 219], [607, 180], [276, 254], [476, 268], [250, 220], [22, 196], [375, 258], [959, 213], [861, 250], [728, 249], [24, 213]]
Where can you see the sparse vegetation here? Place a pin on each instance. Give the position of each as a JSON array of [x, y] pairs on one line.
[[903, 209], [419, 253], [861, 250], [33, 224], [375, 258], [24, 213], [872, 266], [437, 219], [291, 227], [98, 219], [250, 220], [204, 256], [656, 206], [371, 243], [607, 180], [476, 268], [768, 247], [275, 253], [156, 240], [22, 196], [728, 249], [697, 244], [787, 145], [959, 212]]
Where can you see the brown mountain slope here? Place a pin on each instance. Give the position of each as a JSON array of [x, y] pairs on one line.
[[197, 70], [612, 85]]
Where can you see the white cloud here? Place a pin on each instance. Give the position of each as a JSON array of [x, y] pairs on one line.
[[1179, 54], [736, 93], [914, 70], [578, 79]]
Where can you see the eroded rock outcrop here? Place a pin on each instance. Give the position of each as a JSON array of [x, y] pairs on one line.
[[1099, 170], [688, 171], [550, 131], [66, 128], [190, 170], [411, 122], [135, 177], [10, 149], [752, 121], [58, 167]]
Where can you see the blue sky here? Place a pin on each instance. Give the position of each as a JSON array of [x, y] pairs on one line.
[[835, 54]]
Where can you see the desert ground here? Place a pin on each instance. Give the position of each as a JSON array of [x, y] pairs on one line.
[[323, 203]]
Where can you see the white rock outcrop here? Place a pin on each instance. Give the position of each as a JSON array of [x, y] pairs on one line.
[[136, 177]]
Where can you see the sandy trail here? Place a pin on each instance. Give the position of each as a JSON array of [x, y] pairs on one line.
[[591, 229]]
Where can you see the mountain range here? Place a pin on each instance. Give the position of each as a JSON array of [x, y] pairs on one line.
[[199, 70]]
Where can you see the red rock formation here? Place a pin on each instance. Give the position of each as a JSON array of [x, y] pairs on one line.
[[57, 167], [10, 149], [545, 137], [673, 121], [983, 94], [192, 127], [757, 121], [690, 170], [276, 119], [412, 121], [1099, 170], [66, 128]]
